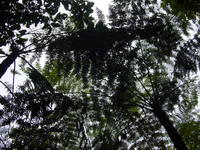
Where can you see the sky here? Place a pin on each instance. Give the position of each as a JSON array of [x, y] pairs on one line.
[[102, 5], [19, 79]]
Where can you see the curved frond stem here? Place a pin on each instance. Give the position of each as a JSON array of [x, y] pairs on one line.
[[10, 91], [142, 97], [145, 105], [28, 63], [141, 105], [155, 92], [47, 37], [21, 50], [44, 78], [175, 88], [154, 89], [143, 86]]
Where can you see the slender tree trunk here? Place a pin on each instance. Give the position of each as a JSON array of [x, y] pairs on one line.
[[167, 124], [7, 62]]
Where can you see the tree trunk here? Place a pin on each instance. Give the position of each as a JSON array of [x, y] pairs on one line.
[[7, 62], [167, 124]]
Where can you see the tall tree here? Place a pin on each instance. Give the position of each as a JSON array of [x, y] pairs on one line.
[[125, 78], [131, 24]]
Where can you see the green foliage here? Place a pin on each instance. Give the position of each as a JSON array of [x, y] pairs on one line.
[[183, 8], [188, 56], [100, 84], [16, 15], [187, 12], [190, 132]]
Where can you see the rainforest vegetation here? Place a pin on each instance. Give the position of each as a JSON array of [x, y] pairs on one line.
[[126, 81]]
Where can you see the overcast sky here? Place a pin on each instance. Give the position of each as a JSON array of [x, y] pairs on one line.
[[102, 4]]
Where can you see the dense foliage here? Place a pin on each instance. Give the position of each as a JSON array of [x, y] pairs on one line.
[[103, 87], [184, 8]]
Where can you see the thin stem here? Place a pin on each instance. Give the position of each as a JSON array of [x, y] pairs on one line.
[[148, 71], [27, 62], [142, 96], [142, 85], [145, 104], [10, 91]]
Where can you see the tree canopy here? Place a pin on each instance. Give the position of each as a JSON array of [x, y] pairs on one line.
[[185, 8], [128, 84]]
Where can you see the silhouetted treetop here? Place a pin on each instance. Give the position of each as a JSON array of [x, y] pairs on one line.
[[16, 15]]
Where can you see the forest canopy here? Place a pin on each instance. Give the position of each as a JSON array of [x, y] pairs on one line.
[[131, 83]]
